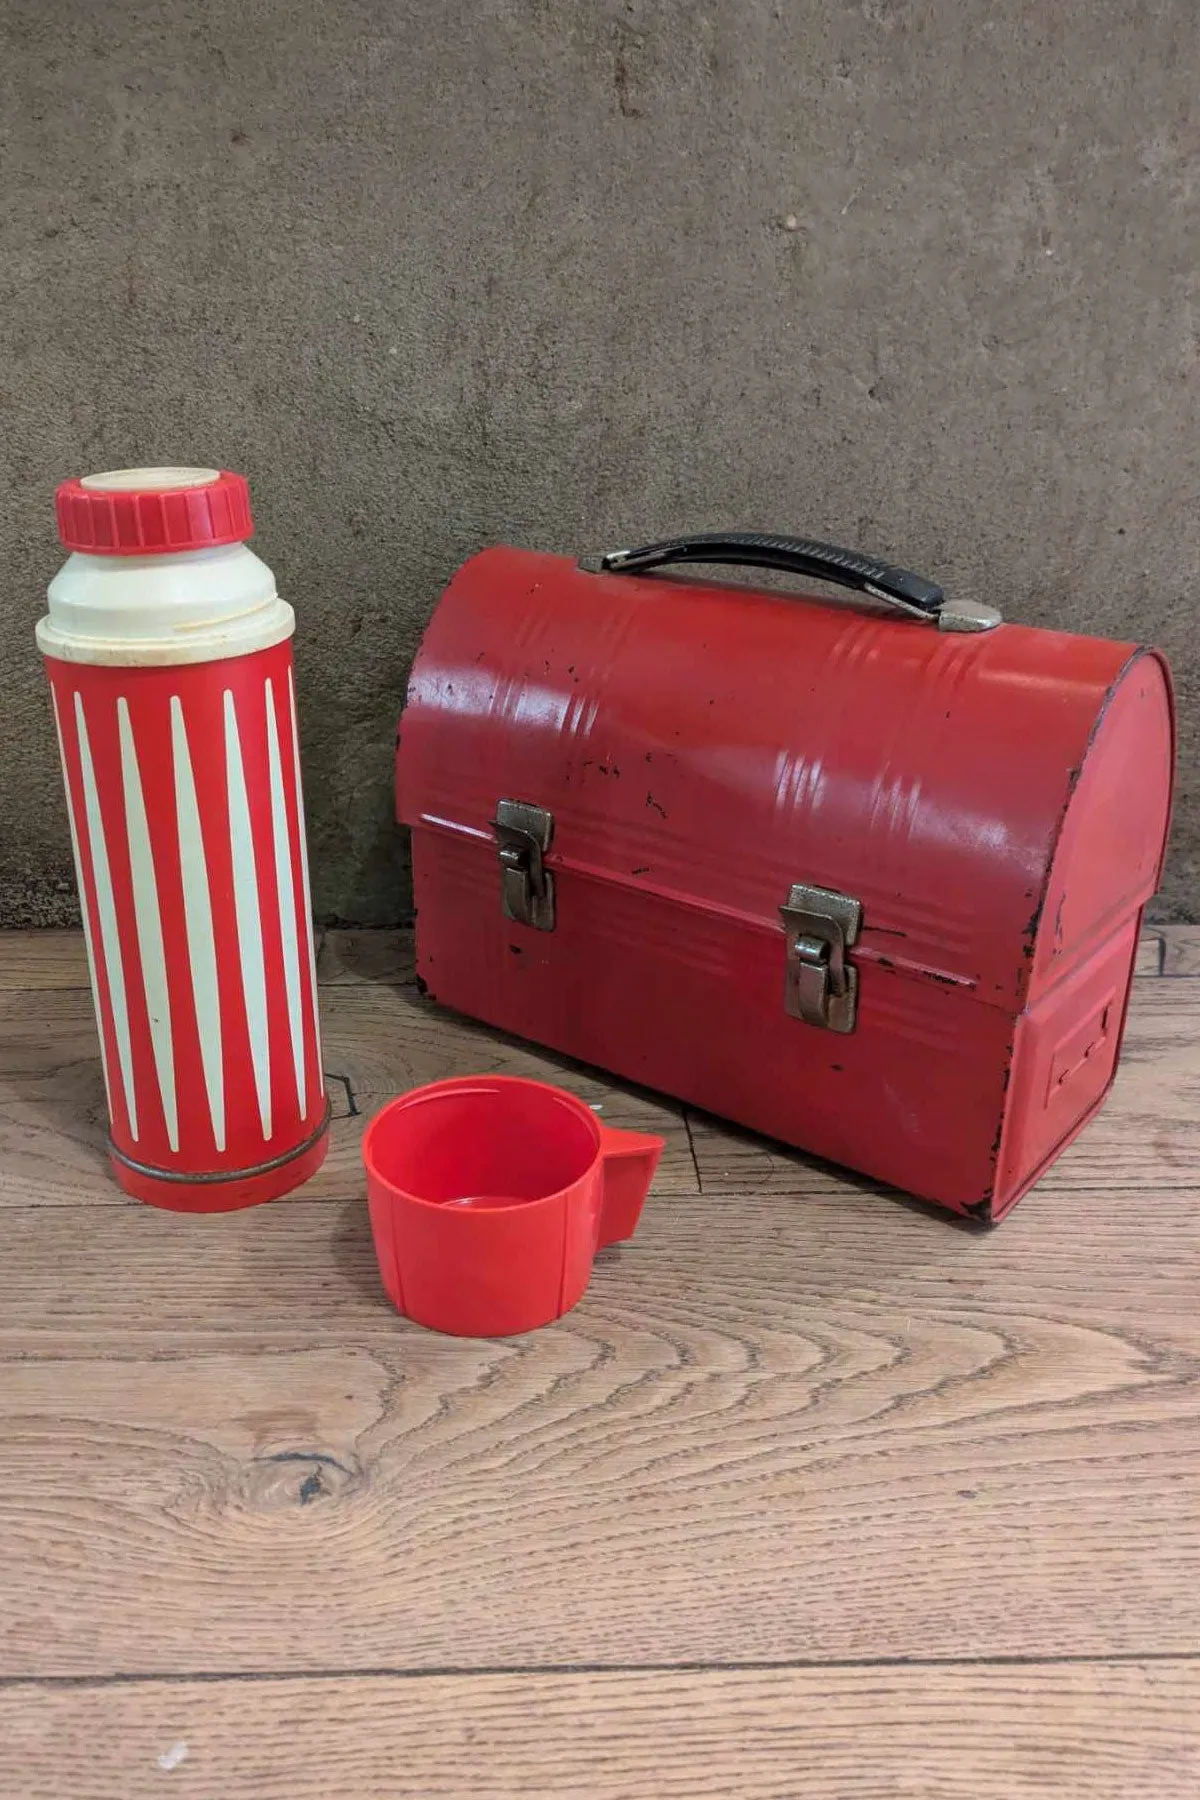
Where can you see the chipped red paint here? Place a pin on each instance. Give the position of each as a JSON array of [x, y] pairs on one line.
[[997, 802]]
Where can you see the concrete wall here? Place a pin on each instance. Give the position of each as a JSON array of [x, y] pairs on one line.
[[918, 275]]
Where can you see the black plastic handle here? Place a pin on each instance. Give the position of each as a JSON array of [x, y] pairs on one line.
[[792, 555]]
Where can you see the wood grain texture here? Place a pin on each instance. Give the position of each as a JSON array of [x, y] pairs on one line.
[[383, 1039], [829, 1427], [377, 1040], [1125, 1732], [53, 1134], [1150, 953], [1181, 950], [37, 960], [795, 1422], [350, 957]]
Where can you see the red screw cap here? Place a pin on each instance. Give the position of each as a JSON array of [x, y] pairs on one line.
[[146, 512]]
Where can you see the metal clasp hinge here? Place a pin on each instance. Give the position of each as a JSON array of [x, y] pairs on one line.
[[523, 833], [821, 984]]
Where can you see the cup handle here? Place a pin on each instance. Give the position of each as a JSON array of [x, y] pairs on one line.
[[630, 1159]]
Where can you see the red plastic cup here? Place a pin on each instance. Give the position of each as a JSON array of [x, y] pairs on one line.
[[490, 1196]]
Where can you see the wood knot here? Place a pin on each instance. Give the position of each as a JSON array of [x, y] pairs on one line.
[[299, 1478]]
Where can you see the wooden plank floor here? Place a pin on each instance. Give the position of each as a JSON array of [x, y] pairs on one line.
[[816, 1493]]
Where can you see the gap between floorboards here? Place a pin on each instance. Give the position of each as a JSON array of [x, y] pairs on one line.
[[460, 1672]]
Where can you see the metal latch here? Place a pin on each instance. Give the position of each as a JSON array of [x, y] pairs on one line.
[[523, 833], [821, 985]]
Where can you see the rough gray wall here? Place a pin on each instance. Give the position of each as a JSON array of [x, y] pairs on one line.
[[918, 275]]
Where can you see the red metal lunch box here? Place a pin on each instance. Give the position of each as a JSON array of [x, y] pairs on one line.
[[867, 881]]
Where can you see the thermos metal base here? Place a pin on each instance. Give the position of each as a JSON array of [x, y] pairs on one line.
[[210, 1193]]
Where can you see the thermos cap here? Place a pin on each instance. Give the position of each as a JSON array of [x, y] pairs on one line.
[[133, 599], [151, 512]]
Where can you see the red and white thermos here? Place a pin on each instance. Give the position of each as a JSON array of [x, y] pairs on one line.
[[170, 665]]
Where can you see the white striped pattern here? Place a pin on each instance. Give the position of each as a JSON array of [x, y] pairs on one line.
[[102, 932], [110, 942], [148, 919], [247, 914], [286, 894], [308, 922], [84, 909], [198, 920]]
